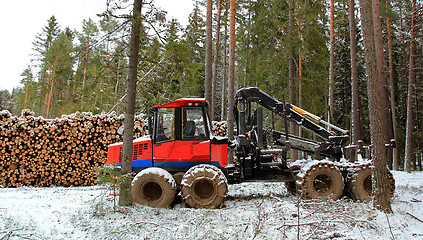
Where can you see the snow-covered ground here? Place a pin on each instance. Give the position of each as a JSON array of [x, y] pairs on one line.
[[252, 211]]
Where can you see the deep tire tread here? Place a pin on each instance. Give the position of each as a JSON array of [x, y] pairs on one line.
[[204, 172]]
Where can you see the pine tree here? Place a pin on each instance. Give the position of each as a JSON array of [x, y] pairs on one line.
[[89, 66], [42, 44], [194, 38], [59, 63], [26, 96], [292, 72], [216, 60], [5, 100], [208, 57], [377, 102], [395, 164], [355, 122], [332, 64], [125, 197], [410, 94], [231, 80]]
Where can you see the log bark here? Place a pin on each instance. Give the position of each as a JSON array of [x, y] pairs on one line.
[[43, 152], [40, 152]]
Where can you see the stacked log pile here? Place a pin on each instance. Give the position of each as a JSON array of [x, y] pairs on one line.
[[61, 152], [57, 152], [219, 128]]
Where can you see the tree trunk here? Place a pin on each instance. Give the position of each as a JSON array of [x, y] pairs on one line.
[[85, 67], [395, 163], [354, 76], [216, 59], [75, 80], [380, 63], [291, 69], [409, 125], [231, 82], [125, 197], [377, 101], [300, 72], [332, 64], [208, 78], [225, 67], [26, 93], [51, 87], [381, 116]]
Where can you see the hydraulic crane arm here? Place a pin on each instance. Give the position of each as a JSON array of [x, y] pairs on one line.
[[294, 114]]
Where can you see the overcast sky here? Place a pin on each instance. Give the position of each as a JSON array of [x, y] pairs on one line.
[[21, 20]]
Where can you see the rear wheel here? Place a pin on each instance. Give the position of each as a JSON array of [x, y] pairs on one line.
[[359, 184], [178, 179], [391, 182], [204, 186], [291, 187], [154, 187], [321, 180]]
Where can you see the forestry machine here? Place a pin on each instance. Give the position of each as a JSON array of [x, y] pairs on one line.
[[181, 155]]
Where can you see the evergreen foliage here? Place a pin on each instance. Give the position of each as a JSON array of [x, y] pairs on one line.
[[87, 70]]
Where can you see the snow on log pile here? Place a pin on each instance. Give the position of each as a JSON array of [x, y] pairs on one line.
[[62, 152]]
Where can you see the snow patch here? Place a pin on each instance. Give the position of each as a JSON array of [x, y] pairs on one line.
[[259, 210]]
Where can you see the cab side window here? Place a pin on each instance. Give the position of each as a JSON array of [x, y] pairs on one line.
[[193, 127], [165, 130]]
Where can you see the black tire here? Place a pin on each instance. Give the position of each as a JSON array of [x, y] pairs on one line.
[[359, 184], [391, 182], [204, 186], [178, 179], [322, 181], [154, 187], [291, 187]]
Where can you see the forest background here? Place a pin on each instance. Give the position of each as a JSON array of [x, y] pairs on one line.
[[87, 70]]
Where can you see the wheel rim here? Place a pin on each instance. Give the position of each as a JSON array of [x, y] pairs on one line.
[[367, 184], [152, 191], [322, 184], [204, 188]]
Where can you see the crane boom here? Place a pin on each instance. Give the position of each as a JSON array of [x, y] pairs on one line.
[[332, 144]]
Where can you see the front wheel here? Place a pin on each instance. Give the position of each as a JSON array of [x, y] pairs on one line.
[[154, 187], [204, 186]]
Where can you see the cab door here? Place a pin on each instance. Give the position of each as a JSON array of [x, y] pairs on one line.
[[182, 139], [164, 134]]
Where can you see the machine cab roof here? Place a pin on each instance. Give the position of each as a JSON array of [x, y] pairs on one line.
[[184, 102]]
